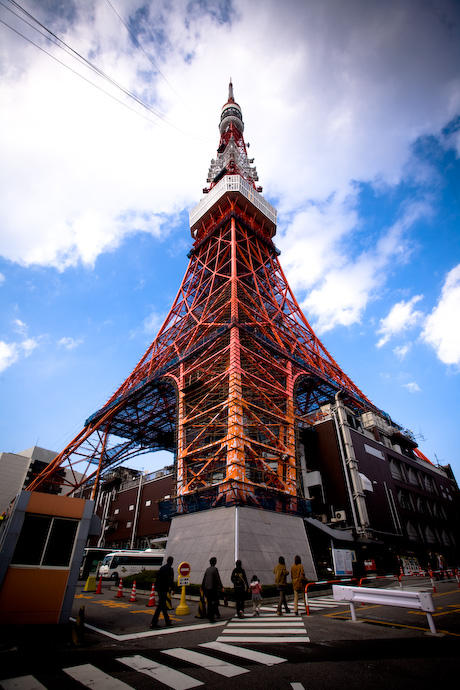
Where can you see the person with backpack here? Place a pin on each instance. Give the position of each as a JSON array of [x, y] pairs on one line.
[[256, 593], [240, 587]]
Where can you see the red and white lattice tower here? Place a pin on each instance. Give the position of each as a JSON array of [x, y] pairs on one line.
[[234, 372]]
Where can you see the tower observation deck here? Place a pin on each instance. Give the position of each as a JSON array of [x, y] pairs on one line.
[[235, 371]]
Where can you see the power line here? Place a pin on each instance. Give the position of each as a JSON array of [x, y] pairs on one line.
[[59, 43], [149, 57], [77, 73]]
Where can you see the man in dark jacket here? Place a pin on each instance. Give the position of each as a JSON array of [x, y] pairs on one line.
[[163, 583], [212, 587]]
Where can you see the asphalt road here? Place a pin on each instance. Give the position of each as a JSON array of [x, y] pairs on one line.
[[388, 648]]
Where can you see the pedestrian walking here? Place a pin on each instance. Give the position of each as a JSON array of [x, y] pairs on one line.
[[212, 587], [256, 594], [281, 582], [163, 583], [298, 583], [240, 587]]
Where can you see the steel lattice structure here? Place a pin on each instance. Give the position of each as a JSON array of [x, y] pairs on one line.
[[234, 371]]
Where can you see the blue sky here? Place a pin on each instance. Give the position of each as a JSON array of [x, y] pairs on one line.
[[352, 111]]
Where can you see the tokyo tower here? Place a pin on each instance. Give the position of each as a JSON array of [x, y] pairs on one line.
[[235, 371]]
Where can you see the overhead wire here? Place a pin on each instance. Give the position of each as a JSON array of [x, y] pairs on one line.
[[59, 43], [77, 73], [147, 55]]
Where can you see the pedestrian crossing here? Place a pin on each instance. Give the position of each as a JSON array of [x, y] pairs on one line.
[[266, 628], [314, 604], [90, 676]]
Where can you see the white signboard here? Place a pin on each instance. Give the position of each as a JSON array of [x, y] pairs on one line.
[[343, 561]]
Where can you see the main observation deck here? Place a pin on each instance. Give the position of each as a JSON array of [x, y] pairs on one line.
[[232, 185]]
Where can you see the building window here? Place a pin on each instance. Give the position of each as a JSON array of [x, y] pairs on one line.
[[422, 506], [116, 511], [395, 469], [405, 500], [447, 541], [413, 478], [428, 483], [429, 535], [148, 503], [131, 507], [128, 524], [412, 531], [45, 541]]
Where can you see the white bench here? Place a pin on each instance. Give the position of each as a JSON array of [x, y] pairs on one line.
[[423, 601]]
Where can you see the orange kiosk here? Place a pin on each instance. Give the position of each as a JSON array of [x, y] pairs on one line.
[[41, 549]]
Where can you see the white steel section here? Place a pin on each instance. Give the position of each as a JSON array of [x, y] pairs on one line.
[[223, 668], [232, 183]]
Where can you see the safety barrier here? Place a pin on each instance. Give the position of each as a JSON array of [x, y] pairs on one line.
[[422, 601], [439, 576], [322, 583]]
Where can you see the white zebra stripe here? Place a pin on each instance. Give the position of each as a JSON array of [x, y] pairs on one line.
[[223, 668]]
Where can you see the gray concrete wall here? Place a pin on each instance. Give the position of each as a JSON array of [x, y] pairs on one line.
[[257, 537], [13, 470]]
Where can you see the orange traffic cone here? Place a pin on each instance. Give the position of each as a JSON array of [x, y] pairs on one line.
[[152, 596], [99, 586], [133, 592], [120, 590]]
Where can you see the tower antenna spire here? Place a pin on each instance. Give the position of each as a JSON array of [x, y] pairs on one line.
[[230, 90]]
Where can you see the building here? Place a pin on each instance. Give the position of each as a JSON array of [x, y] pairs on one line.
[[18, 470], [127, 503], [399, 510]]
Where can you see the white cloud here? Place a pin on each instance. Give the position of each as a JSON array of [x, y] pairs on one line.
[[412, 387], [8, 354], [402, 351], [442, 330], [2, 278], [401, 317], [346, 283], [69, 343], [28, 346], [318, 118], [19, 326]]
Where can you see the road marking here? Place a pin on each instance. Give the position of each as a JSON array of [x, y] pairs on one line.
[[268, 631], [21, 683], [151, 633], [92, 677], [168, 676], [258, 657], [264, 628], [272, 640], [223, 668], [267, 621], [297, 686]]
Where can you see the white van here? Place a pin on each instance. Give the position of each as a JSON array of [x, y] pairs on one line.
[[120, 564]]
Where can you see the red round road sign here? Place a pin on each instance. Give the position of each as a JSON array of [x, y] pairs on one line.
[[184, 569]]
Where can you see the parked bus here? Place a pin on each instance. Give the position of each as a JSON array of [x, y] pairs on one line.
[[119, 564], [92, 558]]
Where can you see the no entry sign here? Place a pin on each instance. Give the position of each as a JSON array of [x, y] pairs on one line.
[[184, 569]]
